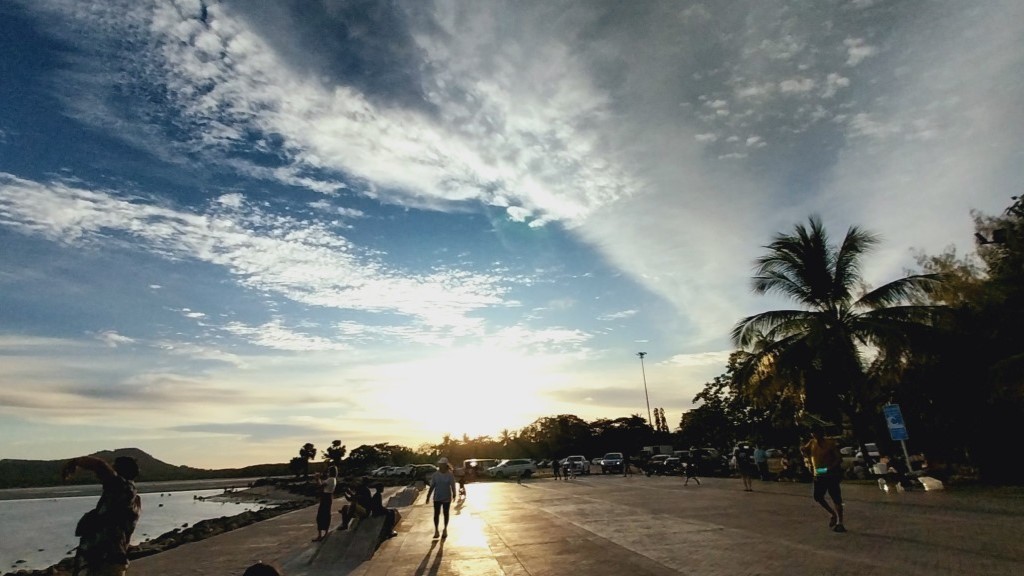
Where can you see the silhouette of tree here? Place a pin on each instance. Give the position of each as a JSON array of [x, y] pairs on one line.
[[334, 454], [817, 352], [307, 453]]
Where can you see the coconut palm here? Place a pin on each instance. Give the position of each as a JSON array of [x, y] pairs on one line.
[[821, 351]]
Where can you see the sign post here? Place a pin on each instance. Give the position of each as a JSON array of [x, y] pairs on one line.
[[897, 429]]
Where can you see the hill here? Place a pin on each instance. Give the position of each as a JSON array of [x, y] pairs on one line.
[[33, 473]]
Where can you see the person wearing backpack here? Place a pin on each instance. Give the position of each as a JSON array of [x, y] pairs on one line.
[[106, 531]]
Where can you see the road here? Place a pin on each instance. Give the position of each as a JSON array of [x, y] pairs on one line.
[[610, 525], [638, 525]]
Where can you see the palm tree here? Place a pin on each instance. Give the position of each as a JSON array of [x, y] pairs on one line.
[[820, 352], [307, 453]]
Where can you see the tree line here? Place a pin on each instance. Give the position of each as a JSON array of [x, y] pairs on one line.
[[943, 342]]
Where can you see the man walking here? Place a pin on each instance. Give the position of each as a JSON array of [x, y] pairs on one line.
[[761, 461], [106, 530], [826, 464]]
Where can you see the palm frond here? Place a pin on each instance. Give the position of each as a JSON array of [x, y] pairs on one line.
[[764, 326], [899, 291], [848, 259], [798, 265]]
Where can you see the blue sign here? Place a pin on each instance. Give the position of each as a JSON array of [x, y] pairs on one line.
[[894, 420]]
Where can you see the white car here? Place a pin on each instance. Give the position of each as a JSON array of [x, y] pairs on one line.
[[401, 471], [579, 463], [382, 471], [513, 468]]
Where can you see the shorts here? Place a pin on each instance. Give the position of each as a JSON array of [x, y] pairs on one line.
[[828, 484]]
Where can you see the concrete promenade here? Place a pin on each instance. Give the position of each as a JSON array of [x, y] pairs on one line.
[[650, 526]]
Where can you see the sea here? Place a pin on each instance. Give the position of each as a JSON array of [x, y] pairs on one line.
[[39, 532]]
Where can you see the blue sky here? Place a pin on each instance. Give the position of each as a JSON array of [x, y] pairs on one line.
[[228, 228]]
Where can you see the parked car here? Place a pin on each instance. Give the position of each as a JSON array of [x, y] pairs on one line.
[[873, 453], [579, 463], [596, 461], [712, 463], [382, 471], [423, 471], [611, 462], [400, 471], [478, 466], [656, 463], [512, 468]]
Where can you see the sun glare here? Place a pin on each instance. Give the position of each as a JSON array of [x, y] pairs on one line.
[[473, 392]]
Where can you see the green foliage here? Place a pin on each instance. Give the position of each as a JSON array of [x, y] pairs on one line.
[[818, 355], [963, 390]]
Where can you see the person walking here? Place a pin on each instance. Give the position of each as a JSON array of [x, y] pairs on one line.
[[761, 462], [442, 488], [326, 486], [627, 470], [692, 466], [556, 468], [827, 467], [106, 530], [745, 465]]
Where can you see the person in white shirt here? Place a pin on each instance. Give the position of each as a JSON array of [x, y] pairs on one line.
[[442, 487], [323, 513]]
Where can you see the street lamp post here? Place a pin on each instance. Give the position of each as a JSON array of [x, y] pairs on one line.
[[650, 422]]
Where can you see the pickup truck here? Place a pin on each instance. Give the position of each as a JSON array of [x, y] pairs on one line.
[[579, 463]]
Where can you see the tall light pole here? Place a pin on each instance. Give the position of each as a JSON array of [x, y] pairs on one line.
[[650, 422]]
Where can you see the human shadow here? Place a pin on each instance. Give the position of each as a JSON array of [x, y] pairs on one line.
[[426, 567]]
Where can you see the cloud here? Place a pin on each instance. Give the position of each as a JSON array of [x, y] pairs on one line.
[[621, 315], [858, 50], [299, 259], [256, 431], [113, 339], [833, 83], [797, 85]]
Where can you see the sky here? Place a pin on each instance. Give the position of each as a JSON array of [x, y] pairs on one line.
[[230, 228]]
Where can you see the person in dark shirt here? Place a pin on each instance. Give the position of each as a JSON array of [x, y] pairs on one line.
[[106, 531], [377, 508], [359, 503]]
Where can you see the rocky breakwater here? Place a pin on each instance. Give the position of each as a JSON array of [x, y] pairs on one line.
[[282, 498]]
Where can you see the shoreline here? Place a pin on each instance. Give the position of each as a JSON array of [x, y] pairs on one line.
[[76, 490], [279, 500]]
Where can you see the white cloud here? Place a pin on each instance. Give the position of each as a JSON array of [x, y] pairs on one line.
[[621, 315], [796, 85], [518, 213], [113, 339], [300, 260], [833, 82], [857, 50], [707, 137]]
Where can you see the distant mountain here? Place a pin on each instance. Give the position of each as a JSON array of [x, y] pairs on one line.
[[32, 473]]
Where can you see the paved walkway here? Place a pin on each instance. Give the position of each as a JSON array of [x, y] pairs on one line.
[[654, 526]]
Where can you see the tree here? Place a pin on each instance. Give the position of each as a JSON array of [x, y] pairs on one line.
[[306, 453], [334, 453], [965, 391], [820, 352]]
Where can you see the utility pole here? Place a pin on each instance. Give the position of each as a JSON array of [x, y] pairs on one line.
[[650, 422]]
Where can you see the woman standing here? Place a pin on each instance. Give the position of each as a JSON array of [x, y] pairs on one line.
[[323, 513], [442, 487]]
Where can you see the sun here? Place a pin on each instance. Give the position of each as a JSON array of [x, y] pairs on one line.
[[474, 392]]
